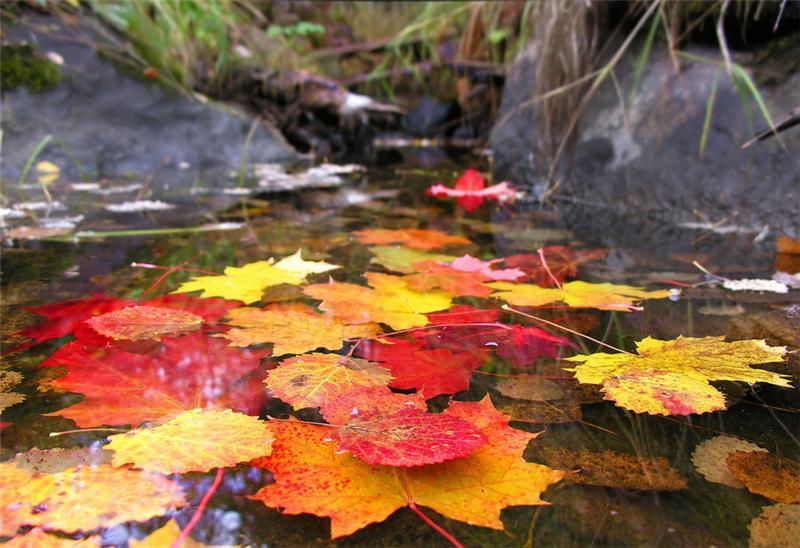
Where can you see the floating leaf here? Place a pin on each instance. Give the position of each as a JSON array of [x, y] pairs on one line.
[[402, 259], [49, 461], [296, 264], [311, 477], [195, 441], [314, 379], [186, 372], [293, 329], [39, 538], [531, 388], [246, 283], [672, 377], [368, 399], [777, 526], [431, 371], [562, 262], [468, 263], [8, 380], [83, 499], [410, 237], [761, 473], [144, 322], [390, 302], [166, 536], [614, 469], [404, 437], [470, 191], [576, 294], [709, 458]]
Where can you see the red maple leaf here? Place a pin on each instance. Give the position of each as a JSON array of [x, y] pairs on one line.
[[181, 373], [562, 261], [402, 434], [463, 314], [470, 191], [431, 371]]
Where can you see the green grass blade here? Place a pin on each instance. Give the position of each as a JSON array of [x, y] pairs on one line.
[[641, 61], [712, 97]]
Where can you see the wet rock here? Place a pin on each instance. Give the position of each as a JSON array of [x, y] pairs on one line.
[[113, 124], [645, 158]]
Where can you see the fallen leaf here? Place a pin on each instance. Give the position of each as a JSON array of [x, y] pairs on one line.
[[404, 437], [186, 372], [563, 263], [311, 477], [8, 380], [144, 322], [576, 294], [542, 412], [470, 191], [368, 399], [432, 276], [246, 283], [390, 302], [293, 329], [195, 441], [411, 237], [296, 264], [672, 377], [431, 371], [761, 473], [709, 458], [402, 259], [785, 244], [50, 461], [777, 526], [531, 388], [468, 263], [84, 498], [614, 469], [48, 172], [313, 379], [39, 538]]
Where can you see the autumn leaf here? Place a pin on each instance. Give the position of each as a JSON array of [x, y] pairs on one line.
[[411, 237], [390, 301], [296, 264], [246, 283], [614, 469], [431, 371], [432, 276], [777, 526], [402, 435], [312, 477], [672, 377], [83, 498], [195, 441], [144, 322], [562, 262], [709, 458], [166, 536], [766, 475], [8, 380], [468, 263], [470, 191], [39, 538], [576, 294], [402, 259], [312, 380], [293, 329], [186, 372]]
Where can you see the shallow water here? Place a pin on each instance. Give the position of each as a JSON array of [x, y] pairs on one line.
[[671, 505]]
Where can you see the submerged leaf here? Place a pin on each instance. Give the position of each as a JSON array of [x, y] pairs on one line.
[[194, 441], [709, 458], [576, 294], [777, 526], [761, 473], [402, 259], [672, 377]]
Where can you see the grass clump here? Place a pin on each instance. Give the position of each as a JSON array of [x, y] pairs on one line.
[[22, 67]]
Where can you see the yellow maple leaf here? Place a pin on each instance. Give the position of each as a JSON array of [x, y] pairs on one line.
[[165, 536], [313, 379], [390, 301], [83, 498], [294, 329], [402, 259], [245, 283], [576, 294], [311, 476], [672, 377], [195, 441], [296, 264]]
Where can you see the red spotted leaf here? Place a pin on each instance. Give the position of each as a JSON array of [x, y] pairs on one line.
[[368, 399]]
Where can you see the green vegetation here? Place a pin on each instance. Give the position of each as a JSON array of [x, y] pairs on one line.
[[22, 67]]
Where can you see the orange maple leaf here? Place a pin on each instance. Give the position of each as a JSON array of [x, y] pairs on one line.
[[311, 477], [412, 237]]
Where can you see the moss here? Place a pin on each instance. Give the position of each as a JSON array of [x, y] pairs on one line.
[[21, 67]]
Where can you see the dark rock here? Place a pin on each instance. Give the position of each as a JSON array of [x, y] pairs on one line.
[[114, 124], [646, 159], [429, 117]]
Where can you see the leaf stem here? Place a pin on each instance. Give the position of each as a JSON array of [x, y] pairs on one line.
[[80, 431], [540, 251], [200, 509], [436, 527], [567, 329]]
